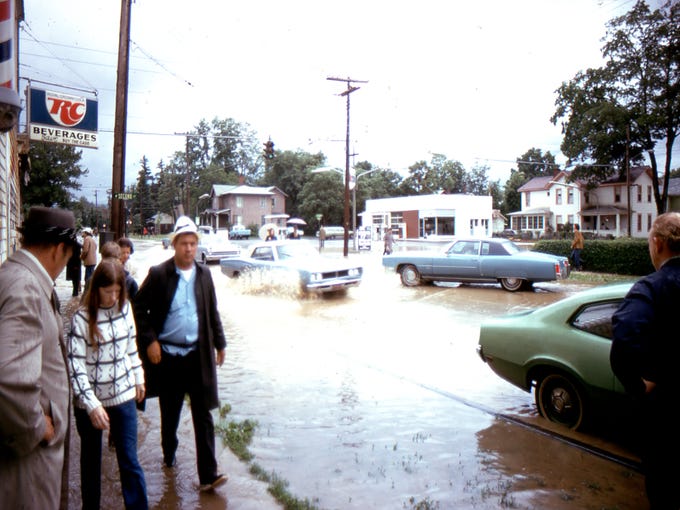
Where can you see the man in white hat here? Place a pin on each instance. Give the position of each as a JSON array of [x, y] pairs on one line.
[[179, 331], [88, 253]]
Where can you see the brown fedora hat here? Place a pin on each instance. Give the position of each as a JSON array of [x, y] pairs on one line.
[[49, 225]]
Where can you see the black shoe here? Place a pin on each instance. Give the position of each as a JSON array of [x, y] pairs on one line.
[[171, 462], [219, 480]]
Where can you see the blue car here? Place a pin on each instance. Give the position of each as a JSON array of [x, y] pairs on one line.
[[279, 260], [478, 261]]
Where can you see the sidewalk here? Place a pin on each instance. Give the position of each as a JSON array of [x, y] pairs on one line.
[[166, 489]]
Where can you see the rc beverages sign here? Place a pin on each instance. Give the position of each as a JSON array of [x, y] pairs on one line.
[[60, 118]]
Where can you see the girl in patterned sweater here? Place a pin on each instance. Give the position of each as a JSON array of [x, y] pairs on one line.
[[107, 379]]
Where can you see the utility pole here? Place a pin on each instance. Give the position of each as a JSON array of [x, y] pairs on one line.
[[346, 93], [628, 178], [120, 127]]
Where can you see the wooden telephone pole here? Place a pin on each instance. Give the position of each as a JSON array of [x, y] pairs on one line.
[[120, 127], [346, 93]]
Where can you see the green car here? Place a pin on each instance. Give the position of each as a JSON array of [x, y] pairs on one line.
[[562, 351]]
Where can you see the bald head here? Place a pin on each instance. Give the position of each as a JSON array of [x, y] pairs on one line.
[[664, 238]]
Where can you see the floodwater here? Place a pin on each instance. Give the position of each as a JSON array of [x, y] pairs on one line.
[[377, 399]]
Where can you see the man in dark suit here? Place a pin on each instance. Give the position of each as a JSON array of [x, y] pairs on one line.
[[179, 331]]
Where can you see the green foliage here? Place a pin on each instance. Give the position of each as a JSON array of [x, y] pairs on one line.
[[289, 172], [55, 173], [625, 256], [611, 116]]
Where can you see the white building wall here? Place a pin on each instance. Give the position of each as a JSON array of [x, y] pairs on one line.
[[473, 214]]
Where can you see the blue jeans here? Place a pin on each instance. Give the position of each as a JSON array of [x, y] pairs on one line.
[[123, 423], [576, 255]]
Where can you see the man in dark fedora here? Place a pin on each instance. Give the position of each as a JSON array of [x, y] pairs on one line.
[[34, 385]]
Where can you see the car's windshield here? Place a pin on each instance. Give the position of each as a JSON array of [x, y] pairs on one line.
[[296, 250]]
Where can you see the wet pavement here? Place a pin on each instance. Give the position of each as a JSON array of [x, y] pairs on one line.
[[377, 399]]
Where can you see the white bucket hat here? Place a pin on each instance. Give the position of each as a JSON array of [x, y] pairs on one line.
[[184, 225], [87, 230]]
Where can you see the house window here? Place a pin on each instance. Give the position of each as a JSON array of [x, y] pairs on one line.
[[558, 221], [649, 222], [586, 197], [649, 194], [263, 203], [527, 199], [273, 203], [570, 219], [570, 196], [639, 194], [617, 194], [639, 222], [239, 201], [558, 196]]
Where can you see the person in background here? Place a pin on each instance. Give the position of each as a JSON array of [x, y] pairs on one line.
[[295, 234], [271, 236], [107, 379], [576, 247], [127, 249], [112, 249], [644, 355], [322, 237], [74, 271], [389, 241], [34, 385], [180, 332], [89, 253]]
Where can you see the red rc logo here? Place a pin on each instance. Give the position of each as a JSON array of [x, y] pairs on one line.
[[66, 110]]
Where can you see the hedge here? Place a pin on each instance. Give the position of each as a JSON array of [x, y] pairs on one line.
[[626, 256]]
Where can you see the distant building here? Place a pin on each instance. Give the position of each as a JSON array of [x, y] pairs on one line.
[[13, 154], [430, 216], [242, 205], [554, 203]]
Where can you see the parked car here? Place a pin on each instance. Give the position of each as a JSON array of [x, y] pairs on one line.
[[478, 261], [213, 247], [315, 273], [562, 351], [333, 231], [239, 232]]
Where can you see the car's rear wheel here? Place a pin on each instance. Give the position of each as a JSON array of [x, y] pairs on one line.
[[410, 275], [560, 400], [512, 284]]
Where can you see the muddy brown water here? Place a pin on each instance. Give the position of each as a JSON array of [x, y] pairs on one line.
[[377, 399]]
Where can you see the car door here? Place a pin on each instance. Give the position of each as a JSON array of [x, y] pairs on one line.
[[461, 260]]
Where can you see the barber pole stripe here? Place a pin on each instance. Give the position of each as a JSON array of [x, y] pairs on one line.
[[7, 68]]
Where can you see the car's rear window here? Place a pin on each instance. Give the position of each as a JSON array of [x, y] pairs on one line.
[[596, 318]]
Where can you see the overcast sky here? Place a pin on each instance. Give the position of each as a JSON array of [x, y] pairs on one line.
[[474, 81]]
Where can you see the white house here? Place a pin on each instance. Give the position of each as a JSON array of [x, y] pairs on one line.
[[422, 216], [550, 203]]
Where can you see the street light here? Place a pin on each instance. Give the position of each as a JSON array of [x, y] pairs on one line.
[[202, 197]]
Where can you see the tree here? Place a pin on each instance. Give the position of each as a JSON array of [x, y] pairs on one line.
[[323, 193], [142, 205], [54, 175], [615, 114], [533, 163], [289, 172], [440, 176]]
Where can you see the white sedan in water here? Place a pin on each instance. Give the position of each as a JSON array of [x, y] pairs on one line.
[[315, 272], [212, 247]]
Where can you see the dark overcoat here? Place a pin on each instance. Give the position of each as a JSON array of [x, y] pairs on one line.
[[151, 306]]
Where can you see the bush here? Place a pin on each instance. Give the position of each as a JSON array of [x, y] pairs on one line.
[[626, 256]]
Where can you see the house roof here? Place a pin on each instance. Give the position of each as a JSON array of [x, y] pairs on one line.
[[536, 184], [532, 212], [242, 189]]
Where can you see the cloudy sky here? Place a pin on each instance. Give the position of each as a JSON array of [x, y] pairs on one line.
[[474, 81]]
